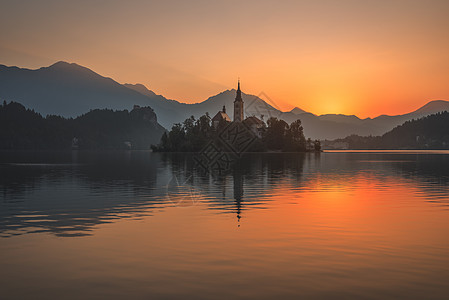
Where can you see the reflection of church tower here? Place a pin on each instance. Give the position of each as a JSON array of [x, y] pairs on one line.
[[238, 191], [238, 106]]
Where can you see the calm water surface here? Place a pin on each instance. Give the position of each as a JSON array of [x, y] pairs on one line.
[[140, 225]]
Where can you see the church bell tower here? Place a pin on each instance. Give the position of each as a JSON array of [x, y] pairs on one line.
[[238, 106]]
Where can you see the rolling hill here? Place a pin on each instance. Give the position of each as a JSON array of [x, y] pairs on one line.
[[430, 132]]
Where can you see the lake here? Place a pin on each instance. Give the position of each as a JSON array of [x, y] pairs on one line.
[[141, 225]]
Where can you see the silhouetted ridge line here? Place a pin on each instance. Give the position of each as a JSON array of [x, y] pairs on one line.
[[430, 132], [69, 90]]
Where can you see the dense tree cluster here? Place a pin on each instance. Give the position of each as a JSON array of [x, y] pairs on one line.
[[430, 132], [192, 135], [21, 128]]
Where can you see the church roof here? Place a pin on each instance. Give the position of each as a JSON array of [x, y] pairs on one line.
[[221, 116], [254, 120]]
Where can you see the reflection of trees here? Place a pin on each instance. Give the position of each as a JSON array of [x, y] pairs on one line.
[[68, 194], [430, 172], [245, 184], [68, 198]]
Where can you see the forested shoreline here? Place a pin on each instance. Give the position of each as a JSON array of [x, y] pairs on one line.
[[24, 129]]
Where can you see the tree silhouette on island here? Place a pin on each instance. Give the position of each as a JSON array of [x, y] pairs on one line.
[[276, 135]]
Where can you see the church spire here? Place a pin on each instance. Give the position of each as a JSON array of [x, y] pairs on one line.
[[239, 93], [238, 105]]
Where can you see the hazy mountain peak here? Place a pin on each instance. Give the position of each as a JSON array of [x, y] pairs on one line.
[[224, 95], [433, 106], [297, 111], [61, 63], [71, 68], [66, 89], [65, 65]]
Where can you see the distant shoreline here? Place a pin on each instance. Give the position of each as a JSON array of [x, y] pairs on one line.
[[411, 151]]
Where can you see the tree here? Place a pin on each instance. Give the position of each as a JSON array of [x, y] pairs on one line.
[[190, 136], [317, 145], [296, 140], [164, 141], [176, 138], [309, 144], [275, 134]]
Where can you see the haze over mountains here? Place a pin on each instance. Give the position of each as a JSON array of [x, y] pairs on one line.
[[70, 90]]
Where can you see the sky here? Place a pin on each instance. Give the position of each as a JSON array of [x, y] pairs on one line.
[[352, 57]]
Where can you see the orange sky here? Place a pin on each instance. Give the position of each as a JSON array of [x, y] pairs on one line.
[[353, 57]]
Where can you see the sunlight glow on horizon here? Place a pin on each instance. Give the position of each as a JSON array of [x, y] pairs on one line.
[[349, 57]]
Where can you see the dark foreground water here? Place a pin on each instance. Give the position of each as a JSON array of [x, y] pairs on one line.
[[139, 225]]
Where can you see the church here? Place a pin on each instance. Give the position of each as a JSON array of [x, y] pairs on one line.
[[255, 124]]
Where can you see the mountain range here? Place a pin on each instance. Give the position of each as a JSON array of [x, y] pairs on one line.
[[69, 90]]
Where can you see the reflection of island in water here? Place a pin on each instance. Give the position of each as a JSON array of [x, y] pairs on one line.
[[68, 194]]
